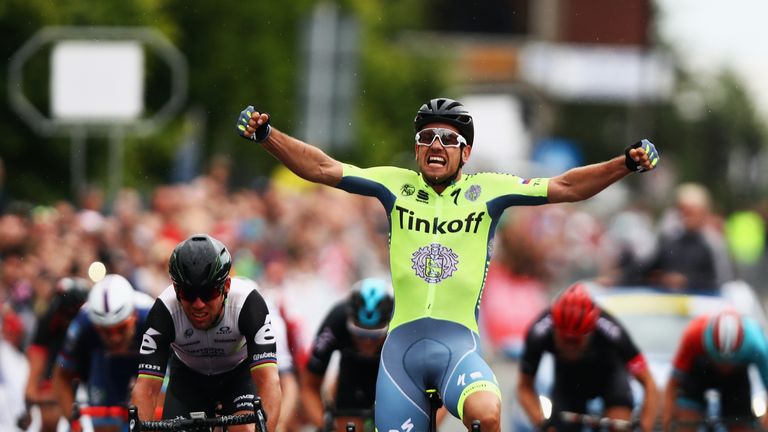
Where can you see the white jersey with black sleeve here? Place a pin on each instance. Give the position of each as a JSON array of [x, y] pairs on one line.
[[243, 333]]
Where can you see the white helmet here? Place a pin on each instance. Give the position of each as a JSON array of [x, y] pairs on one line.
[[111, 301]]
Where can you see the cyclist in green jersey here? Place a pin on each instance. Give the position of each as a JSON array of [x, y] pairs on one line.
[[441, 231]]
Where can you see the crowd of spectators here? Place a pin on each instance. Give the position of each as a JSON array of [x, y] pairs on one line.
[[306, 245]]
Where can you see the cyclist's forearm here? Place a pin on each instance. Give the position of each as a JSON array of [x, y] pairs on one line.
[[580, 183], [268, 385], [668, 409], [306, 161], [62, 390], [144, 396], [529, 400], [650, 400], [36, 360], [312, 402], [289, 404]]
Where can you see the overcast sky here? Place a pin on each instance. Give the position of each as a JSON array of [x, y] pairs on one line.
[[716, 33]]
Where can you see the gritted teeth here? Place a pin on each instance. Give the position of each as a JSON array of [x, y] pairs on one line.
[[436, 159]]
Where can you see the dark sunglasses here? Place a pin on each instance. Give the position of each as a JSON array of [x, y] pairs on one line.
[[206, 295], [365, 333]]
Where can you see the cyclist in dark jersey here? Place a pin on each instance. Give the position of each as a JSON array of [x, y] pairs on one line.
[[715, 352], [214, 333], [356, 327], [101, 348], [594, 357], [442, 224], [69, 294]]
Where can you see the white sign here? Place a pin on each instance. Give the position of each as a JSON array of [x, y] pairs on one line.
[[97, 81], [592, 72]]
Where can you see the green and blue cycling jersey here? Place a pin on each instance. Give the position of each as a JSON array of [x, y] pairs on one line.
[[439, 248], [440, 244]]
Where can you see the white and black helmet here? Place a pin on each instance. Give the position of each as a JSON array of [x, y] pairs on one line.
[[111, 301]]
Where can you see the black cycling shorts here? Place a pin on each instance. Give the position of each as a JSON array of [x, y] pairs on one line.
[[734, 389], [356, 390], [574, 386], [189, 391]]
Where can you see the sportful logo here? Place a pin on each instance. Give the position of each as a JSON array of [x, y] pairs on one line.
[[473, 193], [434, 263], [148, 344], [408, 220], [422, 196]]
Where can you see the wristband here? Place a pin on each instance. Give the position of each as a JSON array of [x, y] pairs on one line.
[[628, 161], [262, 132]]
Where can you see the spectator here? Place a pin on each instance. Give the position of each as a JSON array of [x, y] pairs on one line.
[[691, 253]]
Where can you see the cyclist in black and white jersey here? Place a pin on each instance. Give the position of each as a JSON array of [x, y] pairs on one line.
[[215, 335]]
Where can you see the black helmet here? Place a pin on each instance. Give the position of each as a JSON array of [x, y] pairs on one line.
[[199, 265], [369, 308], [71, 293], [443, 110]]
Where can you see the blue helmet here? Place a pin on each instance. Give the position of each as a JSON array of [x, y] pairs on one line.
[[370, 306]]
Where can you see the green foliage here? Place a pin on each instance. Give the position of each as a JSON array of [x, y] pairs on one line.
[[238, 54]]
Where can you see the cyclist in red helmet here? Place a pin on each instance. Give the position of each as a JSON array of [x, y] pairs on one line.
[[594, 356], [715, 352]]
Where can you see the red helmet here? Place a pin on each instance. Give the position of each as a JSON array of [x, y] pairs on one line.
[[573, 312], [724, 334]]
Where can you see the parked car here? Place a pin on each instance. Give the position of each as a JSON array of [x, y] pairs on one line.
[[656, 320]]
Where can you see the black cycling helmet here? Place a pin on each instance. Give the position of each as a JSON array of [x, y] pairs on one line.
[[369, 308], [70, 294], [199, 266], [444, 110]]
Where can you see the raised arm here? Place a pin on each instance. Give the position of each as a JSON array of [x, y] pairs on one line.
[[580, 183], [306, 161]]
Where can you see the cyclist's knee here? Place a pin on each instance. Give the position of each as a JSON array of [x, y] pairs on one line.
[[484, 406]]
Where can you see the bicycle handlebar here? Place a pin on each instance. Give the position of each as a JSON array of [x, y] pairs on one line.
[[193, 423], [595, 421], [258, 417]]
